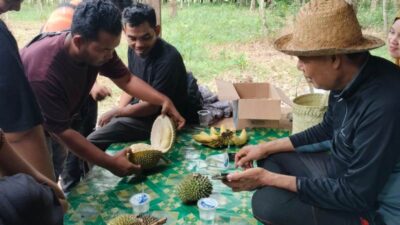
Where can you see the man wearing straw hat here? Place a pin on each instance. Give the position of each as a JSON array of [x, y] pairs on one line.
[[357, 181]]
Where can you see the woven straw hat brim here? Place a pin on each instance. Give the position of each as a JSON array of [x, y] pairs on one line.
[[284, 44]]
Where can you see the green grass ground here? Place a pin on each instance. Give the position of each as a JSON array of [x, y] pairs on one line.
[[217, 41]]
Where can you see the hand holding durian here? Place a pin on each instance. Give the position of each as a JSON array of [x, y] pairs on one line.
[[222, 138]]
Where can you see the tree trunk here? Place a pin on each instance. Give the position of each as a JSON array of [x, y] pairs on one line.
[[173, 9], [374, 4], [253, 5], [385, 19], [261, 10]]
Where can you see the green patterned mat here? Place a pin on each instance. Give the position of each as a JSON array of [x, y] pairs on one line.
[[103, 196]]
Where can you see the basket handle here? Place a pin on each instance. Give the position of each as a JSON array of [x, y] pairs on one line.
[[311, 88], [324, 99]]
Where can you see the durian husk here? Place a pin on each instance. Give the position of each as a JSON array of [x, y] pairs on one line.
[[194, 187], [163, 133], [125, 219], [146, 158], [142, 219], [162, 138]]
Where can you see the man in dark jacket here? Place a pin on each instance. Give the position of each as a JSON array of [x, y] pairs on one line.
[[355, 182]]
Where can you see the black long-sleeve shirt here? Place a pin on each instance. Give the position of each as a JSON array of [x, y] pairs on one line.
[[363, 124]]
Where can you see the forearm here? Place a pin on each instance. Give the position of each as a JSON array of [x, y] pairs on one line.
[[124, 100], [30, 145], [141, 109], [136, 87], [279, 145], [12, 163], [281, 181], [84, 149]]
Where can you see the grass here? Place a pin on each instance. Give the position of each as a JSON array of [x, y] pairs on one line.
[[218, 40]]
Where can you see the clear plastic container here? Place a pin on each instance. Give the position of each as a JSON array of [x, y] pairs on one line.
[[140, 203], [207, 208]]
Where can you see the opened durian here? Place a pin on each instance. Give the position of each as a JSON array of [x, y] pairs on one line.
[[194, 187], [224, 137], [162, 138]]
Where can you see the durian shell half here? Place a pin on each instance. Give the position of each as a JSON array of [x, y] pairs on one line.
[[163, 134]]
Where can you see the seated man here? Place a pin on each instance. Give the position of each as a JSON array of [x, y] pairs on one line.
[[66, 70], [357, 181], [24, 200], [157, 63]]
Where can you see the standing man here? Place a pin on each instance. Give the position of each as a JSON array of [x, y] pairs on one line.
[[23, 200], [357, 181], [67, 69], [85, 120], [157, 63], [20, 116]]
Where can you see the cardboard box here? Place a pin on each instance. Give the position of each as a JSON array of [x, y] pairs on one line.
[[255, 104]]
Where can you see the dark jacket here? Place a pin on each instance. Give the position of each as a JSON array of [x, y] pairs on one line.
[[363, 124]]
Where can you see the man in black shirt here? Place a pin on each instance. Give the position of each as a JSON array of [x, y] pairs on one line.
[[23, 200], [154, 61]]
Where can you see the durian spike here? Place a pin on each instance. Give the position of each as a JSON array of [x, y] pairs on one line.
[[160, 221]]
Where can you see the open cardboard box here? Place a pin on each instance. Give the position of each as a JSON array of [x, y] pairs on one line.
[[255, 105]]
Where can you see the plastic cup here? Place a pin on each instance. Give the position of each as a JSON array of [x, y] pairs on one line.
[[140, 203], [204, 117], [191, 153], [207, 208]]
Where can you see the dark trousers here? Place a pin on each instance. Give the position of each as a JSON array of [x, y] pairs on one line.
[[24, 201], [121, 129], [280, 207], [66, 164]]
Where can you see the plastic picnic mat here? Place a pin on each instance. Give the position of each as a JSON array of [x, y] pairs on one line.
[[103, 196]]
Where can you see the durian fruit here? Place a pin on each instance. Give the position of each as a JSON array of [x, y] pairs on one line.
[[194, 187], [147, 219], [144, 155], [241, 139], [224, 137], [162, 138], [125, 219], [142, 219]]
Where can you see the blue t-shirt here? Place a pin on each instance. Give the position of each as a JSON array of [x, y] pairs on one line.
[[18, 108]]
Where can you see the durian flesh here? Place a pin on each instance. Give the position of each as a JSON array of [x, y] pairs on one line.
[[162, 138]]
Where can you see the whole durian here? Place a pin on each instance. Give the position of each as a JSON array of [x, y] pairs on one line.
[[124, 219], [142, 219], [193, 187], [144, 155]]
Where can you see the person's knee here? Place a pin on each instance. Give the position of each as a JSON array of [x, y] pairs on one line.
[[265, 205]]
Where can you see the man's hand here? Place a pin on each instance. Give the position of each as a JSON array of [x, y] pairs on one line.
[[169, 109], [244, 158], [107, 116], [122, 167], [99, 92], [248, 180], [57, 191]]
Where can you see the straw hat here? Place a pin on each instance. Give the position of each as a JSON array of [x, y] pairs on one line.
[[326, 27]]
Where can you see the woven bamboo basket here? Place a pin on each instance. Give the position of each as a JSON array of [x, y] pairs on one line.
[[308, 110]]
